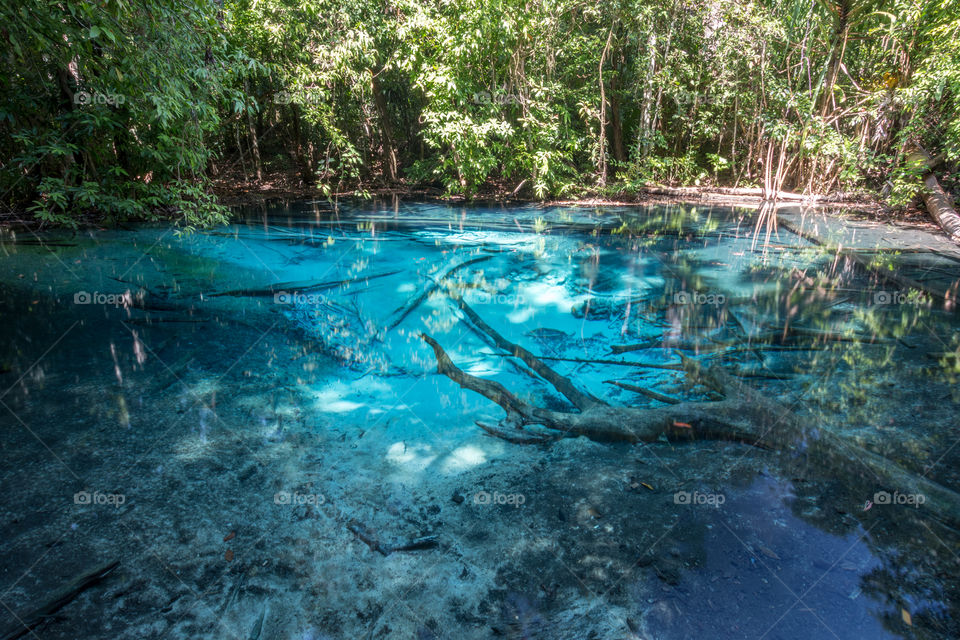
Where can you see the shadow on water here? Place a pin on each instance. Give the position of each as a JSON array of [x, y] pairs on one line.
[[248, 421]]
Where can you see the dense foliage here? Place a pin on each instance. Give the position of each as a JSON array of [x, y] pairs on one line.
[[129, 109]]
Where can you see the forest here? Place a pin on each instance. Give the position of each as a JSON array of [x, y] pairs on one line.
[[434, 319], [138, 110]]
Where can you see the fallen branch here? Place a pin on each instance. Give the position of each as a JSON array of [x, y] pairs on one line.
[[653, 395], [26, 623], [786, 336], [434, 283], [744, 415], [369, 539], [490, 389], [621, 363], [580, 400]]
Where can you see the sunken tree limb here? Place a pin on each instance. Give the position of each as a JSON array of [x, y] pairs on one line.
[[490, 389], [580, 400], [744, 415]]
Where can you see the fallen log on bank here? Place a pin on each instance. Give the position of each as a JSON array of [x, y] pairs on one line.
[[750, 193], [938, 202], [940, 206]]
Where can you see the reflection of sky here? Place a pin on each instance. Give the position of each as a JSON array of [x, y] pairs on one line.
[[418, 424], [769, 574]]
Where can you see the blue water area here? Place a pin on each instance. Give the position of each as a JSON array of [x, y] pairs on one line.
[[250, 420]]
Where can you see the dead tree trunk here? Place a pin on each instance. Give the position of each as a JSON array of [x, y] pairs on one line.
[[744, 415], [937, 201], [940, 206]]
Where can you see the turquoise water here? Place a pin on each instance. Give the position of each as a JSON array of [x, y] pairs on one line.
[[249, 421]]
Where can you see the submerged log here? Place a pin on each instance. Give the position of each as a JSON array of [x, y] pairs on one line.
[[432, 286], [744, 415], [27, 622], [297, 287]]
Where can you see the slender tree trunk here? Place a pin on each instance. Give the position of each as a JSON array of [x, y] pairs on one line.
[[616, 122], [243, 162], [387, 148], [302, 151], [646, 112], [840, 33], [252, 133], [602, 160]]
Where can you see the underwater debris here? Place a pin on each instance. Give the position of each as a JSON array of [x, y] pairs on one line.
[[27, 622]]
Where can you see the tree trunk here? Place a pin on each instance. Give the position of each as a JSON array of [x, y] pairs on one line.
[[841, 11], [940, 206], [302, 152], [744, 415], [938, 202], [616, 120], [387, 147], [252, 133], [602, 160]]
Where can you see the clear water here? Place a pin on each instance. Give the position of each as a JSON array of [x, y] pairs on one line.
[[248, 420]]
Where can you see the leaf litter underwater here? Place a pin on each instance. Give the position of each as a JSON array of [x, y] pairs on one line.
[[438, 422]]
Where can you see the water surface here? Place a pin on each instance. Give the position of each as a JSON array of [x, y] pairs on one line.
[[249, 421]]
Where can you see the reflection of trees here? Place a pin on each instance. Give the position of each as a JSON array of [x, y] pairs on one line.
[[801, 324], [824, 324]]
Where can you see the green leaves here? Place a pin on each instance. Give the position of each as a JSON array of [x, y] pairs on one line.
[[110, 101], [123, 108]]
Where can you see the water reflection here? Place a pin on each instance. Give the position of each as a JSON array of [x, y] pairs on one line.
[[202, 376]]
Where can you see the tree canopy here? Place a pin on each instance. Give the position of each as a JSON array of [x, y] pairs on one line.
[[130, 109]]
